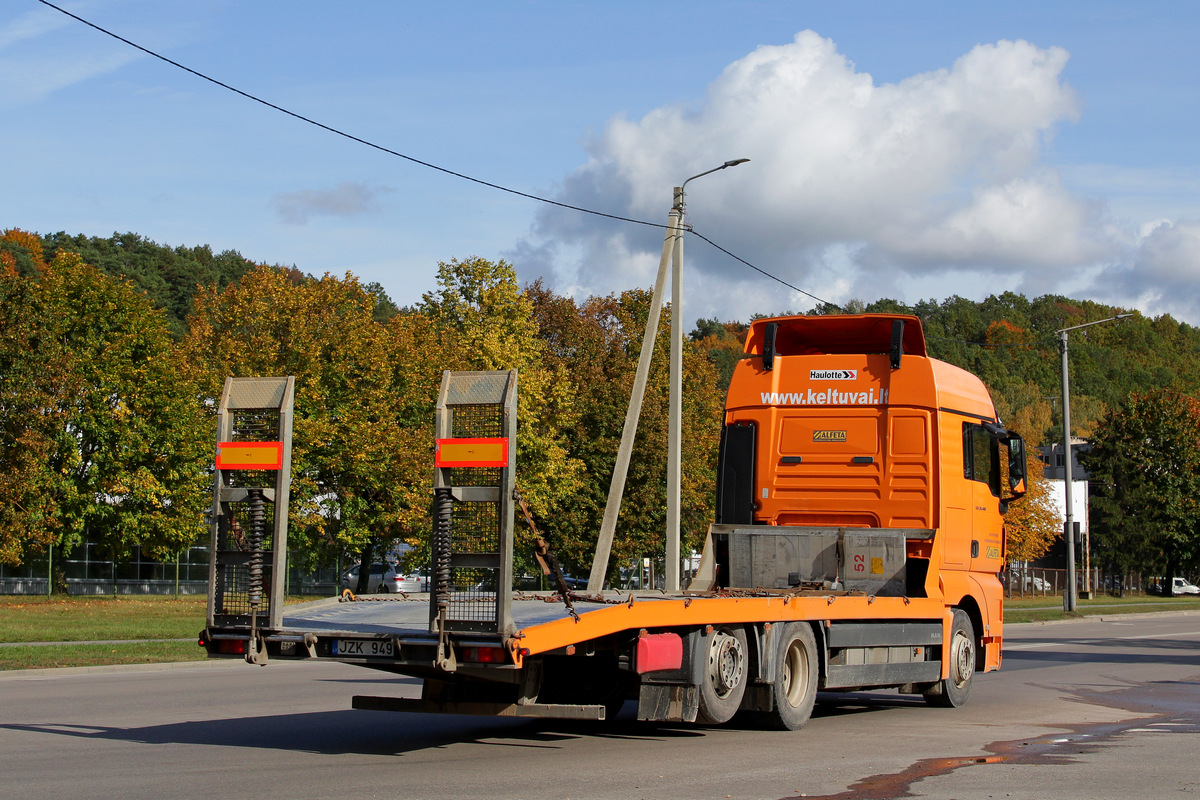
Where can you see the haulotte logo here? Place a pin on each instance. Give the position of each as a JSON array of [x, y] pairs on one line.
[[833, 374]]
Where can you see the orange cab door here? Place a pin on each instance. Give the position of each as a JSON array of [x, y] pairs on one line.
[[982, 470]]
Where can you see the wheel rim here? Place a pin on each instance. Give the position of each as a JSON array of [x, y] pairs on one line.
[[962, 659], [795, 674], [726, 664]]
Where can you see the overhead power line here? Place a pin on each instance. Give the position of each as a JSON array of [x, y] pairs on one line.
[[397, 154], [340, 132], [763, 271]]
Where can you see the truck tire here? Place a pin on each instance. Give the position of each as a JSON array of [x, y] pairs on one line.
[[953, 691], [795, 688], [726, 672]]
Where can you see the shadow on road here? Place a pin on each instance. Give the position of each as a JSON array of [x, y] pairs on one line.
[[364, 732], [1166, 651], [385, 733]]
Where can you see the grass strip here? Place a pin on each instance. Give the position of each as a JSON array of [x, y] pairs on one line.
[[37, 618], [94, 655], [84, 619], [1046, 609]]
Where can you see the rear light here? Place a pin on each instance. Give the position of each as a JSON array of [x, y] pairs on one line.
[[233, 647], [485, 655]]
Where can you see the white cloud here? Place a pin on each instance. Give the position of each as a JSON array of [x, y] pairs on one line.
[[1170, 254], [854, 189], [347, 199], [1163, 272], [1024, 222]]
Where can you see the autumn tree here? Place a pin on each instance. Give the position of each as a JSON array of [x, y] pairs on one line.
[[365, 392], [99, 430], [1145, 473], [598, 342], [1032, 523], [487, 323], [169, 276], [724, 343]]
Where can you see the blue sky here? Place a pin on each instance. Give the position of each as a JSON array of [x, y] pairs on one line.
[[907, 150]]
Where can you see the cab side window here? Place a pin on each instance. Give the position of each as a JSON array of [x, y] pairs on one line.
[[981, 456]]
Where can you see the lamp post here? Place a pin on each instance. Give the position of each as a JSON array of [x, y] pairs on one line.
[[672, 253], [1069, 595], [675, 412]]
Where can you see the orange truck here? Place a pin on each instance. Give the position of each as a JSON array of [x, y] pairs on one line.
[[857, 545]]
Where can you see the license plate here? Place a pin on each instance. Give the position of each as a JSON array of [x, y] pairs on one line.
[[363, 647]]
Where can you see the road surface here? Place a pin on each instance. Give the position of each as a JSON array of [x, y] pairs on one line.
[[1101, 708]]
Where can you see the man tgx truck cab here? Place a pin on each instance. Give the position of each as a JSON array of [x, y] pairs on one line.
[[845, 424]]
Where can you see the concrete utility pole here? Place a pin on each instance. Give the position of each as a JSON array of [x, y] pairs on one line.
[[616, 488], [1069, 595], [672, 253], [675, 418]]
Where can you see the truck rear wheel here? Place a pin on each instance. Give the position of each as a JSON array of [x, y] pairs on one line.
[[795, 689], [953, 691], [726, 671]]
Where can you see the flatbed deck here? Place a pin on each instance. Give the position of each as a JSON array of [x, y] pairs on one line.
[[541, 623], [409, 616]]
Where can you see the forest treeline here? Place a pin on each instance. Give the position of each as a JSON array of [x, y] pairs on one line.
[[111, 351]]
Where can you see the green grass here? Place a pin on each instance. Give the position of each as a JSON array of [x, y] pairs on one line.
[[91, 655], [83, 619], [104, 618], [1043, 609], [143, 624]]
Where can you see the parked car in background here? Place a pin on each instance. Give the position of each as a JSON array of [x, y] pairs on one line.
[[1034, 583], [415, 582], [1181, 586], [384, 578]]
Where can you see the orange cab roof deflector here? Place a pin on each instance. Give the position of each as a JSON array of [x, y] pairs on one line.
[[837, 334]]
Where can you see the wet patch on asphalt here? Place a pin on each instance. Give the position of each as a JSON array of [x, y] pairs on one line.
[[1161, 707]]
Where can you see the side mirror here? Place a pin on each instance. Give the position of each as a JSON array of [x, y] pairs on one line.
[[1017, 472]]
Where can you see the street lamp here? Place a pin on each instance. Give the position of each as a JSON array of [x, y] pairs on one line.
[[675, 412], [672, 253], [1069, 596]]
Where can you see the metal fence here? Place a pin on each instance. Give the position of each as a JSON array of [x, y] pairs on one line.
[[1021, 580], [88, 572]]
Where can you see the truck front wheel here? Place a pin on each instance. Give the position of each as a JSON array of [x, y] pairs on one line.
[[795, 688], [726, 671], [953, 690]]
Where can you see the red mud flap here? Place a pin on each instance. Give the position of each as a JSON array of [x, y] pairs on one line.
[[414, 705]]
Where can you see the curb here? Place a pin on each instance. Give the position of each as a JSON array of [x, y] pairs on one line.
[[54, 672], [94, 641], [1183, 612]]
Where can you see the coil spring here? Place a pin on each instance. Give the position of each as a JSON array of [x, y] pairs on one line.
[[443, 508], [257, 521]]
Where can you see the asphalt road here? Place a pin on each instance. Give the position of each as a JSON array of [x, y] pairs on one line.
[[1091, 709]]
